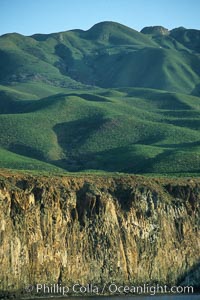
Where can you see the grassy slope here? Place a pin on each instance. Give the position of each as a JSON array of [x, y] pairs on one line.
[[127, 130], [108, 55], [49, 118], [14, 161]]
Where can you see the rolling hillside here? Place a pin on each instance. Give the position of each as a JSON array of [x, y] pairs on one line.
[[108, 99]]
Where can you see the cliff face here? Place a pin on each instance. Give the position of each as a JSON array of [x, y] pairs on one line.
[[102, 229]]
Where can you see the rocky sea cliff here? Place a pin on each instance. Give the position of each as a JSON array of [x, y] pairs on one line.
[[98, 229]]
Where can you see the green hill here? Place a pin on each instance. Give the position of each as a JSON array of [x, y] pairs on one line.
[[107, 55], [109, 98]]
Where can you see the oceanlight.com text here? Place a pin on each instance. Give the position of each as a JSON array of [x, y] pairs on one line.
[[150, 289]]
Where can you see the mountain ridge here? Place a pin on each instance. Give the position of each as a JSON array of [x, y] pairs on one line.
[[86, 56], [109, 98], [103, 24]]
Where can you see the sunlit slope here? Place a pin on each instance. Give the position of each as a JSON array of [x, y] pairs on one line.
[[107, 55], [127, 130], [109, 98]]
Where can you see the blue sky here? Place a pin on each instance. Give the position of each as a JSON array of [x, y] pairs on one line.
[[46, 16]]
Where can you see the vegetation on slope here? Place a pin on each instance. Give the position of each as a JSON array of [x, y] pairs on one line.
[[107, 55], [109, 99]]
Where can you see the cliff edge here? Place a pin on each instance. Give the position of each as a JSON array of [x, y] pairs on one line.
[[98, 229]]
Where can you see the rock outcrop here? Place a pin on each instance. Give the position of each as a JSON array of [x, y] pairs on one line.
[[155, 30], [98, 229]]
